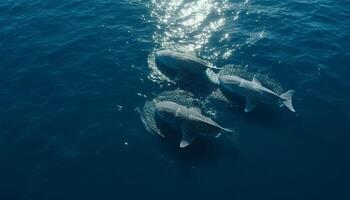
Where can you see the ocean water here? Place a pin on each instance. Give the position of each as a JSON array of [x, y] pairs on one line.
[[75, 76]]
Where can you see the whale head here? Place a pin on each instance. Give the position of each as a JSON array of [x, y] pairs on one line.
[[164, 57], [230, 81], [166, 109]]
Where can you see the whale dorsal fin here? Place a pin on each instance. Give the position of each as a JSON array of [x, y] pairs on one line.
[[191, 52], [196, 106], [187, 137], [196, 109], [251, 105], [256, 81]]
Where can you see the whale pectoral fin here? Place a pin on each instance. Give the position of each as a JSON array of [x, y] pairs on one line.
[[256, 81], [187, 137], [218, 135], [180, 75], [251, 105]]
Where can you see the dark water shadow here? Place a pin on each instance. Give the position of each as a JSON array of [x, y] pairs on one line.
[[202, 151]]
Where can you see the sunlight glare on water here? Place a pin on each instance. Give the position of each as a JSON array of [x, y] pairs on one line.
[[185, 26]]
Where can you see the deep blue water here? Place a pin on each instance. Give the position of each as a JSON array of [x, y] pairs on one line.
[[73, 72]]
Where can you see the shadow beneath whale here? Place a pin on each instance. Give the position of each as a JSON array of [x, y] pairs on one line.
[[202, 151]]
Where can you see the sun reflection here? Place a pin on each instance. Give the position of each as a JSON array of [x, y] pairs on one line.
[[185, 24], [192, 26]]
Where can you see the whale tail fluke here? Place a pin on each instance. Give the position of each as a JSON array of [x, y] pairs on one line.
[[232, 133], [287, 99], [227, 130]]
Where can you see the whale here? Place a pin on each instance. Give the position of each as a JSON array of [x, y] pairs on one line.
[[190, 121], [182, 63], [254, 92]]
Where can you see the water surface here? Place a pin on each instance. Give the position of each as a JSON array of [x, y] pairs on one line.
[[73, 73]]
